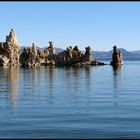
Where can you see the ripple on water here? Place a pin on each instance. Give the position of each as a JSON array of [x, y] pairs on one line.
[[87, 102]]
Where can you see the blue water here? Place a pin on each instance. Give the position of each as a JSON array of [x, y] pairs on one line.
[[70, 102]]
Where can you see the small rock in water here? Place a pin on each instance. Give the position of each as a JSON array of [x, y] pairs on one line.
[[117, 58]]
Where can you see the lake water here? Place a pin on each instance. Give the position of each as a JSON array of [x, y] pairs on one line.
[[70, 102]]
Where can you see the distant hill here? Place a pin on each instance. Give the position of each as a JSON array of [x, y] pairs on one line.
[[105, 55], [58, 50]]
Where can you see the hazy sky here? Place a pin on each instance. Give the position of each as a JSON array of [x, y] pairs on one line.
[[97, 24]]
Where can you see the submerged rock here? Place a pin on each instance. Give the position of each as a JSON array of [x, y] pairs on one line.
[[9, 50], [117, 58]]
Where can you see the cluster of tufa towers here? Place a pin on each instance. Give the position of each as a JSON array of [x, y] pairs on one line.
[[10, 54]]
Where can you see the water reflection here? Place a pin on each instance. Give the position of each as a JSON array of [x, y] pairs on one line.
[[9, 86], [76, 82], [89, 78], [51, 76], [78, 77], [9, 77], [72, 77], [13, 75], [30, 81], [30, 75], [39, 82], [49, 80], [117, 74]]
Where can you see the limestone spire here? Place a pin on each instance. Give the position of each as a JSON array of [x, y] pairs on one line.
[[12, 38], [116, 56], [52, 47], [34, 49]]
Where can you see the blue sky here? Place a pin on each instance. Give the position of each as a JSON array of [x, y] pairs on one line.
[[97, 24]]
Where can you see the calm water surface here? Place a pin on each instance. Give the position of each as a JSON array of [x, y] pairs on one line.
[[60, 102]]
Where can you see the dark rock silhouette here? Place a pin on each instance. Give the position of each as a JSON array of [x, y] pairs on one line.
[[117, 58], [9, 50]]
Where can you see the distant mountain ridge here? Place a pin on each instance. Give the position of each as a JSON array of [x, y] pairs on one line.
[[105, 55], [58, 50]]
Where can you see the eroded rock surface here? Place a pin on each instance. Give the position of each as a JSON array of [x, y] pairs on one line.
[[29, 56], [117, 58], [9, 50], [32, 56], [73, 56]]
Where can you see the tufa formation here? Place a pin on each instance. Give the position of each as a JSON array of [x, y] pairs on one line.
[[33, 56], [116, 57], [9, 50], [36, 57], [73, 56]]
